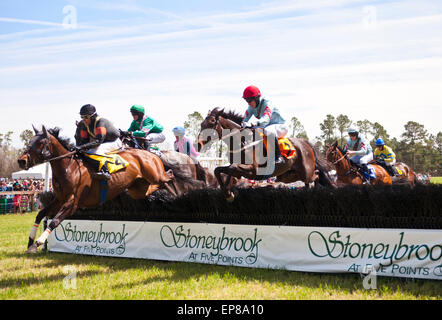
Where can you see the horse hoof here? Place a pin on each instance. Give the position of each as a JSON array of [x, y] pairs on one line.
[[32, 249], [230, 197]]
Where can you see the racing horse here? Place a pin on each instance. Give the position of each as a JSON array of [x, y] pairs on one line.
[[179, 162], [348, 174], [305, 166], [73, 186], [403, 175]]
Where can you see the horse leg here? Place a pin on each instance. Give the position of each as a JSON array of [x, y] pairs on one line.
[[65, 211], [53, 206], [227, 193]]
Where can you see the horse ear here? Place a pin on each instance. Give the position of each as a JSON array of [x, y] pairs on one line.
[[335, 144], [327, 145], [56, 131], [45, 132], [35, 129]]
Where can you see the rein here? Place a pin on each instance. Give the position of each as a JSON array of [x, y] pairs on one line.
[[340, 159], [63, 156]]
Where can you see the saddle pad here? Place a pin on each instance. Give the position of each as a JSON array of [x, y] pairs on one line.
[[114, 161], [398, 171], [287, 148]]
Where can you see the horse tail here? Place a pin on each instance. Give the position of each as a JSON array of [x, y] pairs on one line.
[[322, 167]]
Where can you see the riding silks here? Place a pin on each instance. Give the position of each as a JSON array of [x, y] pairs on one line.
[[114, 161]]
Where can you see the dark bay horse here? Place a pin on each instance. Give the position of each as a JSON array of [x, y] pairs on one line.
[[179, 163], [306, 166], [73, 186], [347, 174]]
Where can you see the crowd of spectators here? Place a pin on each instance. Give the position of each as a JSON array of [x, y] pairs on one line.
[[19, 203]]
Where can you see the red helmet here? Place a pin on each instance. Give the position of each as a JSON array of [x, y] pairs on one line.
[[250, 92]]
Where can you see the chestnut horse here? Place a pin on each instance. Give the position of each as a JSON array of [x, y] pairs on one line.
[[73, 186], [306, 166], [349, 175], [404, 174]]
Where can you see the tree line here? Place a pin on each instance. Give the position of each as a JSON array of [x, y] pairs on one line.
[[416, 146]]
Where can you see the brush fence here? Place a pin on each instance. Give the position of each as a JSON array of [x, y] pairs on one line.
[[375, 252]]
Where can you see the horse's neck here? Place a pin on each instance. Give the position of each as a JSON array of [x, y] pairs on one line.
[[228, 124], [58, 166], [342, 167]]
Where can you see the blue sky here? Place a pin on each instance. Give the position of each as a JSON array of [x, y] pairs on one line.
[[375, 60]]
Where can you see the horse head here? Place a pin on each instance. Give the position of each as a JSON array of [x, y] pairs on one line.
[[215, 125], [331, 154], [210, 130], [38, 150]]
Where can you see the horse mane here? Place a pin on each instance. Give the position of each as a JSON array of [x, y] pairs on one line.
[[231, 115], [64, 141], [340, 149]]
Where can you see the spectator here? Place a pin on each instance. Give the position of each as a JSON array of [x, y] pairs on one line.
[[16, 203]]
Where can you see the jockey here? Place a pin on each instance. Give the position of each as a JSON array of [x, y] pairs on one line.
[[145, 127], [358, 150], [268, 117], [96, 135], [385, 155], [183, 144]]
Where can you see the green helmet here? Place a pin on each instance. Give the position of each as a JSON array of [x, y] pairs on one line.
[[352, 131], [138, 108]]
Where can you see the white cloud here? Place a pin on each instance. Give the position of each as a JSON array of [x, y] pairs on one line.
[[316, 62]]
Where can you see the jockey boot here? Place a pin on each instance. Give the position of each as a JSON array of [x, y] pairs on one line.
[[391, 171], [278, 156], [364, 169], [103, 174]]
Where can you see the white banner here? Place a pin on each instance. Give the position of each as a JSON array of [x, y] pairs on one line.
[[385, 252]]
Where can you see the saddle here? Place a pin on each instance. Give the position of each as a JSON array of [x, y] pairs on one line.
[[392, 170]]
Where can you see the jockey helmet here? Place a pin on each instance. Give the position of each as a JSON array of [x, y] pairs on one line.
[[352, 131], [137, 109], [251, 92], [87, 110], [179, 131], [380, 142]]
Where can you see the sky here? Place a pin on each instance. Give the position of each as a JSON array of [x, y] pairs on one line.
[[368, 59]]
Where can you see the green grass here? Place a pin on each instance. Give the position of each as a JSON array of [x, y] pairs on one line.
[[41, 276], [436, 180]]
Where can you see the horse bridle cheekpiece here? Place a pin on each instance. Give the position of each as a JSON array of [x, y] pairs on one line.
[[44, 153]]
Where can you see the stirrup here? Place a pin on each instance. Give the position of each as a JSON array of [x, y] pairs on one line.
[[279, 160], [101, 175]]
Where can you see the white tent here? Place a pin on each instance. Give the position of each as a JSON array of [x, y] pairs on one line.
[[37, 172]]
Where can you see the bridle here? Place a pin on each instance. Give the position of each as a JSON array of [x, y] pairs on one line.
[[218, 127]]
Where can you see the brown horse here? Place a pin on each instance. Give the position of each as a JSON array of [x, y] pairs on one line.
[[247, 160], [404, 174], [349, 175], [73, 186]]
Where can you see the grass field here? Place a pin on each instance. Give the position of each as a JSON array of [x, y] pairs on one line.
[[41, 276]]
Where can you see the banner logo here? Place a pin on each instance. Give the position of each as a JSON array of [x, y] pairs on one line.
[[336, 246], [244, 249], [93, 242]]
